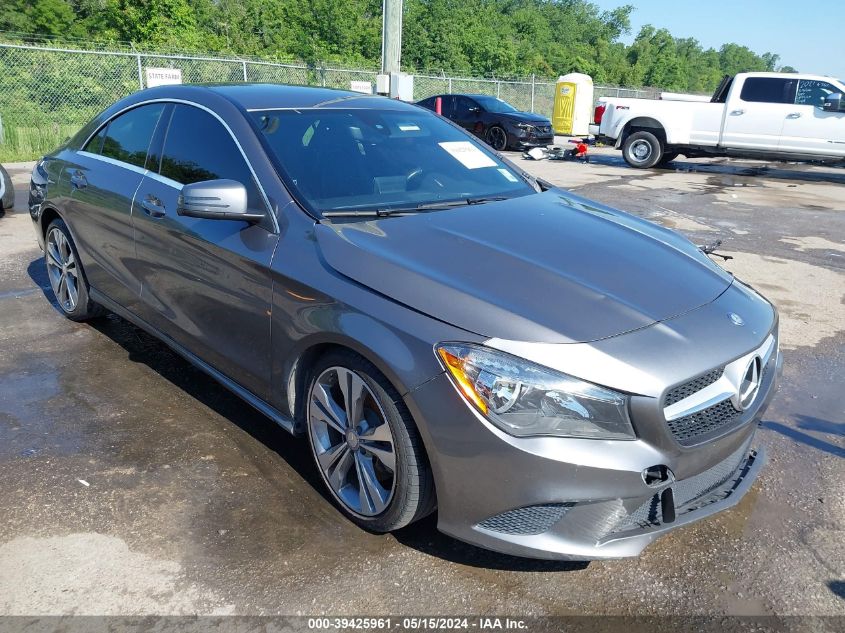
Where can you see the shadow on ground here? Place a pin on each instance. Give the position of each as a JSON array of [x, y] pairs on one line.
[[726, 171], [810, 423]]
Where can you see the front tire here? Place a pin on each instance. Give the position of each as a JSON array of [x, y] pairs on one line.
[[375, 466], [668, 158], [67, 279], [642, 150], [497, 138]]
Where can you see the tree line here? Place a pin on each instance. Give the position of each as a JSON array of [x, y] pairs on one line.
[[503, 38]]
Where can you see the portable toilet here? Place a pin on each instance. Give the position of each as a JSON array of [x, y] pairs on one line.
[[573, 104]]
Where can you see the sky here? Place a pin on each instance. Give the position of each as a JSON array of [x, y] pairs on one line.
[[807, 34]]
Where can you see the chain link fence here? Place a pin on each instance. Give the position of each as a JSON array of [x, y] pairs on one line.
[[48, 93]]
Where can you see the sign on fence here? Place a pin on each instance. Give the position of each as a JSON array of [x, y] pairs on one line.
[[163, 76], [361, 86]]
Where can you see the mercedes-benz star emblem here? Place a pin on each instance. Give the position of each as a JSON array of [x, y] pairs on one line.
[[735, 318], [750, 383]]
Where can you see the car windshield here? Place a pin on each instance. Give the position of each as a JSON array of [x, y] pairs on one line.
[[367, 159], [492, 104]]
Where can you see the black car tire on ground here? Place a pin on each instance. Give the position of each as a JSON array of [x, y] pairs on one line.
[[413, 495], [668, 158], [642, 150], [7, 191], [497, 138], [83, 308]]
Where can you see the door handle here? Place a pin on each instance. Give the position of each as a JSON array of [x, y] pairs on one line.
[[737, 112], [153, 207], [794, 115], [78, 179]]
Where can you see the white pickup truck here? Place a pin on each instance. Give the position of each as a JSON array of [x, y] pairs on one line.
[[753, 115]]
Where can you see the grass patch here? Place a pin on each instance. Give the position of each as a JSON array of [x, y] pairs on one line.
[[21, 143]]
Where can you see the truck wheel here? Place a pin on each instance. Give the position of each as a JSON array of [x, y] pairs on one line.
[[642, 150], [668, 157]]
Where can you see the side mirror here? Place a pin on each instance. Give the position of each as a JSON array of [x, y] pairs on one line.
[[834, 103], [216, 200]]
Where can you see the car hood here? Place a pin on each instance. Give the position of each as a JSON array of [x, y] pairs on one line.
[[524, 117], [547, 267]]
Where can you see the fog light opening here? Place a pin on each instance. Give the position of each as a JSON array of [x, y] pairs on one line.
[[655, 476]]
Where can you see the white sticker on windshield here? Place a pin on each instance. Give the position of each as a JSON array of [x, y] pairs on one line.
[[409, 127], [508, 175], [468, 154]]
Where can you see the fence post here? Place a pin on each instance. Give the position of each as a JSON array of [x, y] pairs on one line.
[[450, 85], [140, 73], [322, 74], [532, 91], [498, 87], [244, 65]]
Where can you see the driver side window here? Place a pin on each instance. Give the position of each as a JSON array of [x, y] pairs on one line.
[[197, 148]]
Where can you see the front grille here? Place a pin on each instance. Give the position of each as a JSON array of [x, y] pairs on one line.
[[527, 520], [692, 386], [688, 429]]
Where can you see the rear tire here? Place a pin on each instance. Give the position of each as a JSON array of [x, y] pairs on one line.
[[67, 279], [642, 150], [668, 158], [375, 468]]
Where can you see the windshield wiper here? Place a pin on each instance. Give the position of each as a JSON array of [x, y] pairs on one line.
[[426, 206]]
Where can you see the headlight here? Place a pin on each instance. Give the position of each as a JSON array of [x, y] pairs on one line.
[[525, 126], [525, 399]]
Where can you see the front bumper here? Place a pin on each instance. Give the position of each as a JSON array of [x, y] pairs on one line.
[[569, 498], [525, 139]]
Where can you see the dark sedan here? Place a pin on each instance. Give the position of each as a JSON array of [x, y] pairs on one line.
[[557, 378], [497, 122]]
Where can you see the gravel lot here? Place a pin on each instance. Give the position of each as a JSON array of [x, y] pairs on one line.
[[133, 484]]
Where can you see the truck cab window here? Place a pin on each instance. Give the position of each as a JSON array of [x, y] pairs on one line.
[[768, 90]]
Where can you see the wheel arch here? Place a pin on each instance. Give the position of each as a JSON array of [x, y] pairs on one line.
[[642, 123], [296, 372], [46, 217]]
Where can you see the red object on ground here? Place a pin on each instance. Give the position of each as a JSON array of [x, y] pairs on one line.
[[438, 105], [581, 149]]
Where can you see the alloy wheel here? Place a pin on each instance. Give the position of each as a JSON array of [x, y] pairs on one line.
[[62, 270], [352, 442], [497, 138]]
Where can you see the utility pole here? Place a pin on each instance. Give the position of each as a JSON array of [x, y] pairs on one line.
[[391, 36]]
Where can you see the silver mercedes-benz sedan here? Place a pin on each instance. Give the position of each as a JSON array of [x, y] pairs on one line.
[[555, 378]]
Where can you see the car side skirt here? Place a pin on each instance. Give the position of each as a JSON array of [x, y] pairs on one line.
[[246, 395]]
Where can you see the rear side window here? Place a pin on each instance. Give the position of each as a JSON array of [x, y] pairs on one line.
[[768, 90], [127, 137], [813, 92], [197, 147]]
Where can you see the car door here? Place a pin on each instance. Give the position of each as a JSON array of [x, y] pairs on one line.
[[205, 283], [467, 114], [754, 119], [810, 130], [104, 179]]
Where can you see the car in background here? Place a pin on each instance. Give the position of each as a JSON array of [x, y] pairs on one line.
[[7, 191], [495, 121]]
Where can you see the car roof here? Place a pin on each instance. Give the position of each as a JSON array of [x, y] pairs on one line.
[[260, 96]]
